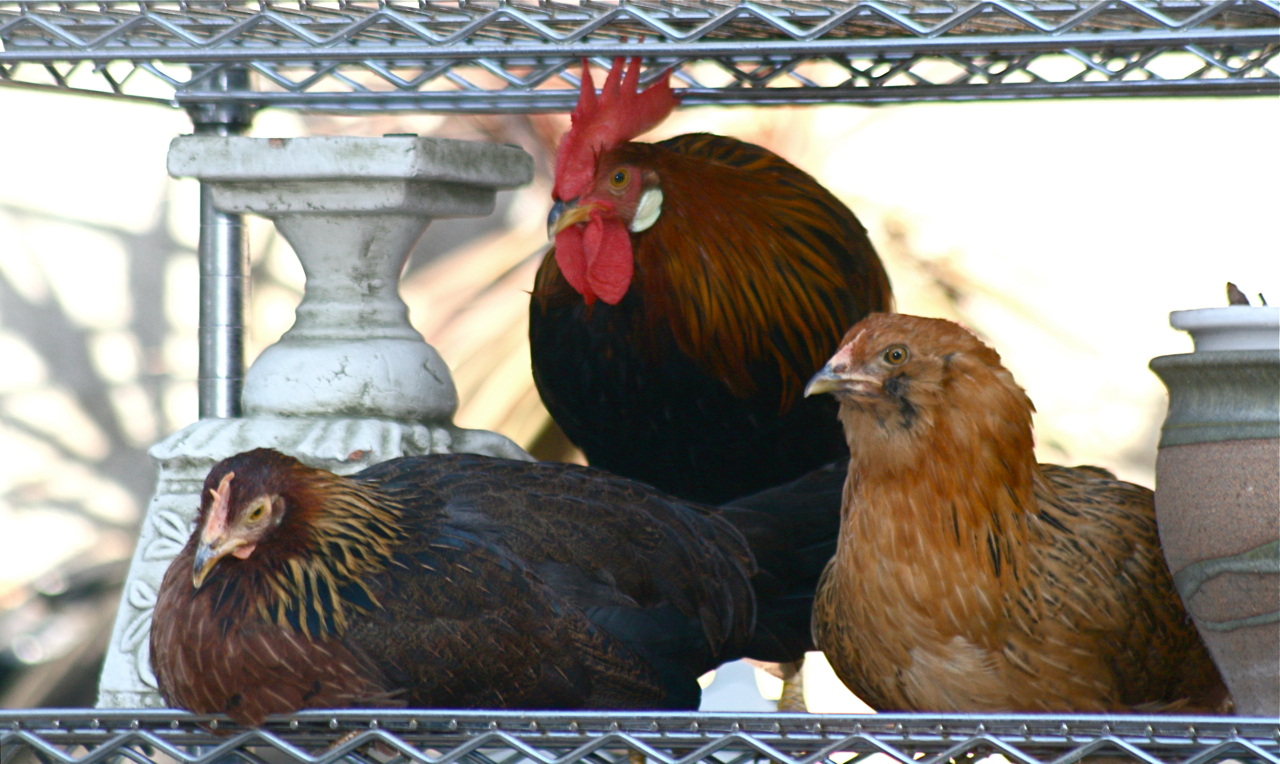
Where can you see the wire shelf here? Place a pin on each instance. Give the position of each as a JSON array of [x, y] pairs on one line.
[[487, 56], [439, 737]]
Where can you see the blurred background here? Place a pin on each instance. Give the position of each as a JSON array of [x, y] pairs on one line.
[[1063, 232]]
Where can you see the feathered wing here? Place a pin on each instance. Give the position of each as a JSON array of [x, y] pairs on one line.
[[1090, 621], [1095, 538], [479, 628], [629, 594], [792, 530]]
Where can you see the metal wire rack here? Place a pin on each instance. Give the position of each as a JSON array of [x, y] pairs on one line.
[[443, 737], [520, 56], [221, 59]]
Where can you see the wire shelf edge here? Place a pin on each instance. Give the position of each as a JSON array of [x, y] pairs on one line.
[[523, 56], [580, 736]]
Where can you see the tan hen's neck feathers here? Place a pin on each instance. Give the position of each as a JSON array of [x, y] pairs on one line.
[[962, 471]]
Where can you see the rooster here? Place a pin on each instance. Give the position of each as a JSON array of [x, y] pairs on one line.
[[463, 581], [970, 578], [694, 286]]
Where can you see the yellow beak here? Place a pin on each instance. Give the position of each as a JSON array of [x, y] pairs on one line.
[[564, 214]]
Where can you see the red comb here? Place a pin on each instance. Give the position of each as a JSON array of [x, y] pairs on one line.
[[216, 524], [617, 116]]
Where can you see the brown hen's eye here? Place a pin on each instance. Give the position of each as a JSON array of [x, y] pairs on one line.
[[620, 178], [257, 512], [895, 355]]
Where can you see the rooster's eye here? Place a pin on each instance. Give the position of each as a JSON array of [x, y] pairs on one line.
[[895, 355], [620, 178]]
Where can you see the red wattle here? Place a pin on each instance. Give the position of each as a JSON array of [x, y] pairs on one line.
[[607, 244], [572, 260]]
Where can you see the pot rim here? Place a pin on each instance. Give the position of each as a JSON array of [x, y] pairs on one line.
[[1237, 327], [1245, 316]]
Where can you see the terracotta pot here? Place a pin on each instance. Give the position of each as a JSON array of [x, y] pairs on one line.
[[1218, 493]]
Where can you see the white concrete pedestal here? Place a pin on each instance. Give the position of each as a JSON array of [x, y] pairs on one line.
[[352, 383]]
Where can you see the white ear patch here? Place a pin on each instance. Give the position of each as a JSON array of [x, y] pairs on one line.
[[648, 210]]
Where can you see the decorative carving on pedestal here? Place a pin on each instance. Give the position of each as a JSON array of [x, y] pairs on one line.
[[352, 383]]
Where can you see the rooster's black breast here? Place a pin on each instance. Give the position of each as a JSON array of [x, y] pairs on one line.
[[647, 411]]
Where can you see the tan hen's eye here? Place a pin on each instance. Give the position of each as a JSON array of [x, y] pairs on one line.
[[895, 356], [258, 511], [619, 178]]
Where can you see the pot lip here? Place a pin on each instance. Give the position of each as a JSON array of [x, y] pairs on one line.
[[1243, 316], [1260, 357], [1236, 327]]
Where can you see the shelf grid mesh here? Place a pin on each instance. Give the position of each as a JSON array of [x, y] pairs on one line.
[[488, 56], [444, 737]]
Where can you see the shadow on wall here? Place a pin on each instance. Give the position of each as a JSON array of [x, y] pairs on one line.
[[98, 336]]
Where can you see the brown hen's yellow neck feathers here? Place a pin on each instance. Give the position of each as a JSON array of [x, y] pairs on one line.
[[354, 525], [310, 573]]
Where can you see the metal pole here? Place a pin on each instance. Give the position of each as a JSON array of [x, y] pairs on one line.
[[224, 265]]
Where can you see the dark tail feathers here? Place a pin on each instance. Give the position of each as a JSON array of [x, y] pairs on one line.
[[792, 530]]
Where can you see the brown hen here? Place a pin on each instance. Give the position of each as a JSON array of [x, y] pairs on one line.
[[970, 578], [468, 582]]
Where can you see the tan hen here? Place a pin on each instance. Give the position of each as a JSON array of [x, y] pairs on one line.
[[970, 578]]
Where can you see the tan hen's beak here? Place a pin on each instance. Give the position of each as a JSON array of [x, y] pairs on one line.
[[823, 382], [831, 379]]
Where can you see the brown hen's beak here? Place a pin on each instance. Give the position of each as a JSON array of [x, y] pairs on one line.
[[208, 554], [829, 380], [566, 213]]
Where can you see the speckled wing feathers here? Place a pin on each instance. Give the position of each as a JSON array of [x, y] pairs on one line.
[[1096, 536], [1091, 622]]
